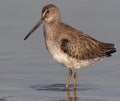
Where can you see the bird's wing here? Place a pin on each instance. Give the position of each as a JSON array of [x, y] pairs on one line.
[[86, 48], [81, 46]]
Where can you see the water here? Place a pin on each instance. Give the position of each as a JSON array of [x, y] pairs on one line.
[[27, 71]]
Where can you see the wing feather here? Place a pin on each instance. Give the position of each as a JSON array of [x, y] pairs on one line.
[[81, 46], [84, 50]]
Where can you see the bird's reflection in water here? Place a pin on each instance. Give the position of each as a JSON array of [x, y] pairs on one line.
[[73, 97], [71, 94], [69, 98]]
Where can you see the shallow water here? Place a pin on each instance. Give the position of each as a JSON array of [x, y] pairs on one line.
[[27, 71]]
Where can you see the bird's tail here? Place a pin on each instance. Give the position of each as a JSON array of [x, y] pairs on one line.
[[108, 48]]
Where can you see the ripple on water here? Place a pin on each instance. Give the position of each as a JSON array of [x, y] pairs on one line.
[[61, 87]]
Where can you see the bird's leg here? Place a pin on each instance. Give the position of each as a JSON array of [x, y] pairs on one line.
[[69, 78], [75, 77]]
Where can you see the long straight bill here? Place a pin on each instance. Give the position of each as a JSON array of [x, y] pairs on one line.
[[34, 28]]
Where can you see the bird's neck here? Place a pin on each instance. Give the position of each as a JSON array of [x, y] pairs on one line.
[[54, 24], [52, 29]]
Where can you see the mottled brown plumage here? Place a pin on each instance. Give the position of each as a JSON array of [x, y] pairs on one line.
[[69, 46]]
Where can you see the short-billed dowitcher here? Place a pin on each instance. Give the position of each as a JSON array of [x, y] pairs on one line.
[[69, 46]]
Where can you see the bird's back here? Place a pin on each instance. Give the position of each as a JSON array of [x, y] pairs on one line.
[[81, 46]]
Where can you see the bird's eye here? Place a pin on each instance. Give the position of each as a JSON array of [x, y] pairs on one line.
[[47, 11]]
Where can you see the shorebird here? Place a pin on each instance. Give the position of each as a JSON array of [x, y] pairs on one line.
[[70, 47]]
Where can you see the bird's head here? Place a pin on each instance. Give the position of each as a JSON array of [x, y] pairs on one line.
[[50, 13]]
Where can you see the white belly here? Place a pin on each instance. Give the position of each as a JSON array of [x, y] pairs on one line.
[[58, 55]]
